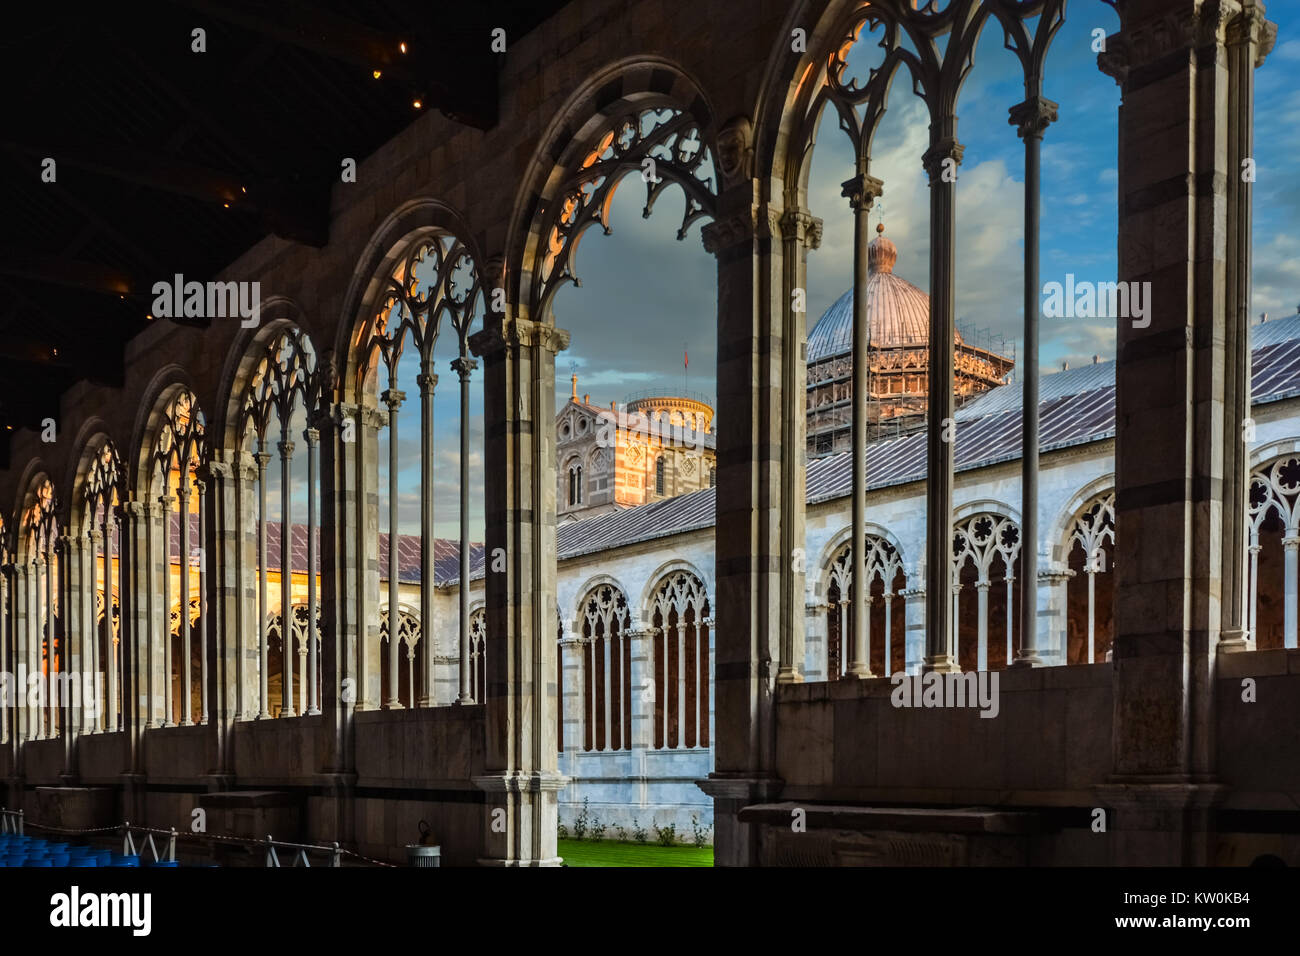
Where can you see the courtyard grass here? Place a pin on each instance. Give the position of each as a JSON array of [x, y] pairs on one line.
[[612, 853]]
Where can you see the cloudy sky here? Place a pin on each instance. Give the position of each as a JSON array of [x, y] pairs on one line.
[[647, 298]]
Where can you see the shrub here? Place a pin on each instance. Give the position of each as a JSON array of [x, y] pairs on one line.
[[598, 829], [562, 832], [581, 822], [621, 831], [667, 835], [701, 833], [638, 831]]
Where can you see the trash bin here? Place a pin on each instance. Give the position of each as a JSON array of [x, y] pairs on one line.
[[420, 855], [427, 852]]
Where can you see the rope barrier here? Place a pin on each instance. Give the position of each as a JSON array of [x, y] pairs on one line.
[[203, 837]]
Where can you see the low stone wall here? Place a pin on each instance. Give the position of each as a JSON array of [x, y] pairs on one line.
[[1049, 744]]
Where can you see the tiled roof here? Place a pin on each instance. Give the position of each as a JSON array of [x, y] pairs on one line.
[[446, 552], [1075, 407]]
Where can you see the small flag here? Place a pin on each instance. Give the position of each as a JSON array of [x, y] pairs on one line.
[[686, 360]]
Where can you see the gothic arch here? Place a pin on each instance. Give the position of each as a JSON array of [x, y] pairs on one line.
[[93, 431], [821, 579], [411, 223], [157, 415], [588, 585], [243, 359], [645, 603], [559, 201], [1274, 449], [35, 468], [1059, 530]]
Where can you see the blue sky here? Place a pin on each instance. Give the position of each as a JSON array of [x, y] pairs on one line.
[[647, 297]]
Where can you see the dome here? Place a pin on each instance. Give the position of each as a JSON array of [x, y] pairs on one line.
[[900, 312]]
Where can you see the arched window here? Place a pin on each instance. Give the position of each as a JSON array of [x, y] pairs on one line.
[[101, 653], [985, 591], [179, 451], [282, 389], [885, 650], [659, 475], [478, 655], [682, 623], [1273, 617], [408, 653], [1090, 592], [435, 279], [607, 670], [578, 483], [40, 644]]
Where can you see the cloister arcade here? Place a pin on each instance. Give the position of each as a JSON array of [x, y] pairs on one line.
[[145, 545]]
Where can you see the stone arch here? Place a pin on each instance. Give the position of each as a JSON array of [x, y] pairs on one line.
[[242, 360], [406, 226], [645, 602], [34, 469], [820, 581], [585, 128], [1274, 449], [586, 587], [1058, 531], [167, 385]]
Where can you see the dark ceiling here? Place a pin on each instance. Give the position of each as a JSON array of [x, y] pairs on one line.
[[171, 161]]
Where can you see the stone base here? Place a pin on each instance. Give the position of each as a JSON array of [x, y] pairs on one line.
[[254, 814], [75, 808]]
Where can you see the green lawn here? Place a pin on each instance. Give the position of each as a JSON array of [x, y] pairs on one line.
[[610, 853]]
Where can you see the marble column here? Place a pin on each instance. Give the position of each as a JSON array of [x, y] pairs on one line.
[[393, 398], [800, 231], [185, 685], [463, 366], [940, 161], [521, 775], [1031, 119], [914, 645], [312, 435], [263, 608], [285, 447], [861, 191], [428, 382]]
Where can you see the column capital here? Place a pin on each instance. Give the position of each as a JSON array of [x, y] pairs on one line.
[[285, 448], [167, 502], [757, 221], [311, 435], [1032, 117], [263, 459], [861, 191], [512, 334], [463, 365], [942, 149], [214, 469], [801, 226], [393, 398], [134, 509], [427, 381]]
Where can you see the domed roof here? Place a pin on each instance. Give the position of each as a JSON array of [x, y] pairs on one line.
[[900, 312]]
